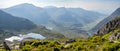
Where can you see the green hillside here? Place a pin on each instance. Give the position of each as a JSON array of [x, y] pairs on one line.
[[13, 23]]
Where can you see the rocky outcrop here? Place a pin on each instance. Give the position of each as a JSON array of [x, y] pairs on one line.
[[6, 46], [70, 41], [114, 36], [110, 26], [22, 43]]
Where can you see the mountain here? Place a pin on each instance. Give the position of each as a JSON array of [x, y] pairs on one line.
[[109, 41], [72, 17], [60, 19], [29, 11], [10, 25], [115, 14], [9, 22], [111, 30], [112, 25], [62, 16]]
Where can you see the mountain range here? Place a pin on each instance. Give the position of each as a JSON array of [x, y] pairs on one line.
[[12, 25], [60, 19], [62, 16], [73, 23]]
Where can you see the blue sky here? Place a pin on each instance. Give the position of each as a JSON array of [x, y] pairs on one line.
[[103, 6]]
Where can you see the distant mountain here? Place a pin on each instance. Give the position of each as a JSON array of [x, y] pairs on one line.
[[59, 15], [9, 22], [72, 17], [29, 11], [9, 25], [115, 14], [60, 19]]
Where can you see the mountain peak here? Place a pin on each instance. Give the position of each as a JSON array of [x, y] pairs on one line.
[[116, 13], [26, 4]]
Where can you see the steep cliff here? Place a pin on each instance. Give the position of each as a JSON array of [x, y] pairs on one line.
[[115, 14], [111, 30], [110, 26]]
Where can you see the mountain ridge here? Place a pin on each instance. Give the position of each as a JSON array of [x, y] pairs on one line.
[[13, 10], [115, 14], [59, 19], [11, 21], [9, 25]]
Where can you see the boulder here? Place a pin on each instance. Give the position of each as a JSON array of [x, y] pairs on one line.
[[6, 46], [70, 41]]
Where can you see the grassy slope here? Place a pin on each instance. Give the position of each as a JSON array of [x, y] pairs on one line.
[[94, 43]]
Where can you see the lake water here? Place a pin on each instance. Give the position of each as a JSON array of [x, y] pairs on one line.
[[20, 37]]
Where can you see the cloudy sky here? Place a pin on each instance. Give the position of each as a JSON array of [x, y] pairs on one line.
[[103, 6]]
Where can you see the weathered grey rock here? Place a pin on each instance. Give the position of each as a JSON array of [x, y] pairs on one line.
[[22, 43], [114, 36], [70, 41], [6, 46], [110, 26]]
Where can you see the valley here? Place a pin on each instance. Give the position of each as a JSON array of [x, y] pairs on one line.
[[29, 27], [71, 22]]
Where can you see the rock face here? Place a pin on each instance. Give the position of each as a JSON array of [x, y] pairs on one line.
[[112, 29], [115, 14], [114, 36], [6, 46], [110, 26], [67, 21], [70, 41]]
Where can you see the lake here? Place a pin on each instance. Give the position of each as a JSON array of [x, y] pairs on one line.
[[20, 37]]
